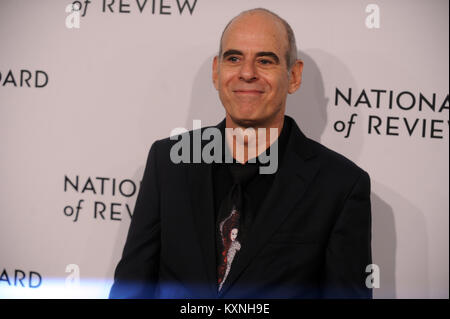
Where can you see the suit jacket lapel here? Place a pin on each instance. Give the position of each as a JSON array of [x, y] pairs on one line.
[[200, 185], [295, 174]]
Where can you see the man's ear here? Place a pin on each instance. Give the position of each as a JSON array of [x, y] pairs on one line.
[[295, 76], [215, 72]]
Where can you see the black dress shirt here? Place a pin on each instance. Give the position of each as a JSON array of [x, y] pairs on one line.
[[257, 188]]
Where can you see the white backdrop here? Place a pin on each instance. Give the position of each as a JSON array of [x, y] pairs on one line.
[[85, 104]]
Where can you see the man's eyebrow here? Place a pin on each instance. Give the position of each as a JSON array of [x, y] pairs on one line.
[[269, 54], [231, 52], [259, 54]]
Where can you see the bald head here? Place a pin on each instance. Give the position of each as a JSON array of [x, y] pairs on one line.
[[291, 47]]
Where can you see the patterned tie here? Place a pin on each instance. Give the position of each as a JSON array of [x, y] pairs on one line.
[[233, 220]]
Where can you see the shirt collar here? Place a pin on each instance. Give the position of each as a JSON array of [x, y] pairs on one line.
[[281, 142]]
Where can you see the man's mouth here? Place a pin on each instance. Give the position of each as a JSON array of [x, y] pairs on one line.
[[248, 92]]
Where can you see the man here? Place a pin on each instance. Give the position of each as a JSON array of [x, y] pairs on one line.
[[208, 230]]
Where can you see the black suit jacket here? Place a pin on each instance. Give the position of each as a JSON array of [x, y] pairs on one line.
[[310, 239]]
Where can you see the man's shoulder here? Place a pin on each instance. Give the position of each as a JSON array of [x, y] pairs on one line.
[[336, 163], [165, 144], [181, 142], [333, 163]]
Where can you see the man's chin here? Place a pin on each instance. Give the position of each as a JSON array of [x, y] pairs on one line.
[[246, 121]]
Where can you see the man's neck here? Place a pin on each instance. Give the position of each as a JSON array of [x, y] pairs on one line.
[[249, 142]]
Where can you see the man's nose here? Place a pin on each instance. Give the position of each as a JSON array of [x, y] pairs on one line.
[[248, 71]]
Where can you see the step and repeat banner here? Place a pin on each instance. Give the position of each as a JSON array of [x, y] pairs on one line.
[[87, 86]]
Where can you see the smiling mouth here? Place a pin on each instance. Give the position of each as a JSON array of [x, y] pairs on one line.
[[248, 92]]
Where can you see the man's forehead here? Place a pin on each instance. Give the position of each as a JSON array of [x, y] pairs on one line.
[[257, 18], [259, 31]]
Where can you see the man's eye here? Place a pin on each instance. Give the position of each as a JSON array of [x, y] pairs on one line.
[[233, 59], [265, 61]]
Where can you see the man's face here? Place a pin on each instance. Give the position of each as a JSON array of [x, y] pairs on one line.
[[251, 74]]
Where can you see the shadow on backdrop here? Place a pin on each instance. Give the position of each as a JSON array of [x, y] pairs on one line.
[[384, 246], [399, 243], [308, 106]]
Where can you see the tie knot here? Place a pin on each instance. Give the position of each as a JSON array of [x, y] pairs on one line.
[[243, 173]]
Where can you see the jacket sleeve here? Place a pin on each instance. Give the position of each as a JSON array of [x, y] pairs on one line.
[[348, 250], [136, 274]]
